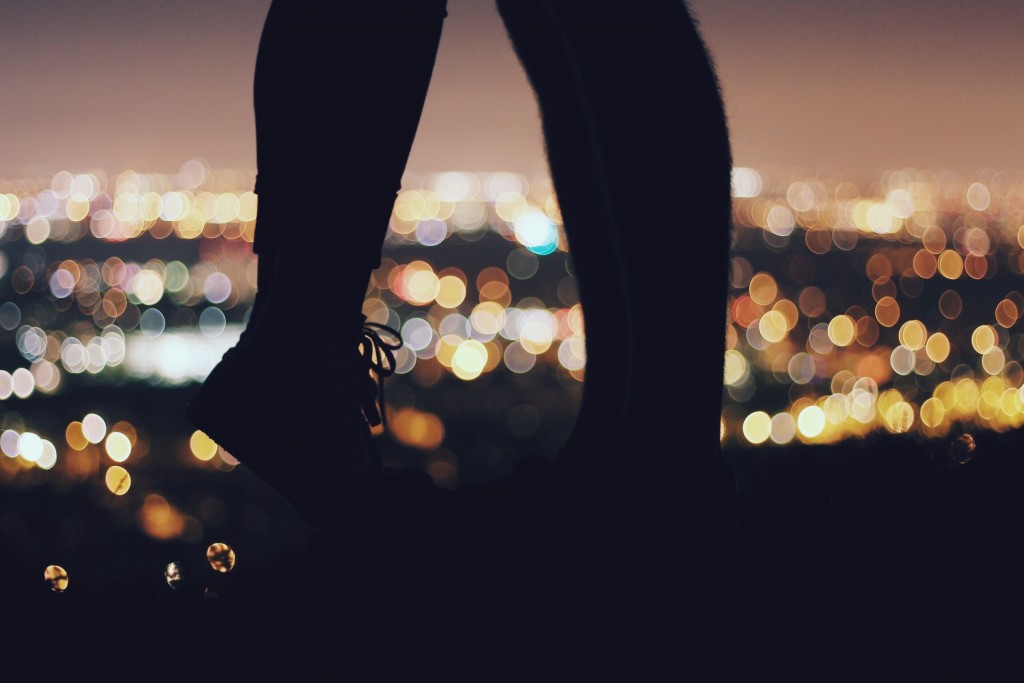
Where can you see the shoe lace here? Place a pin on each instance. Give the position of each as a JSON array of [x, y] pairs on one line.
[[378, 356]]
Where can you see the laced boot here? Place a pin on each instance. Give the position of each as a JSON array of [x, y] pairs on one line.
[[308, 434]]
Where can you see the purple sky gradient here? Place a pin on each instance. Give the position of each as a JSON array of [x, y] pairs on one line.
[[148, 84]]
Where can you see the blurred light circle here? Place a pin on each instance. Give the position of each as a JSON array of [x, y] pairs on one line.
[[10, 315], [9, 443], [174, 574], [522, 264], [118, 446], [118, 480], [221, 557], [469, 360], [572, 354], [202, 446], [430, 233], [417, 333], [22, 382], [783, 428], [536, 231], [62, 283], [811, 421], [94, 428], [217, 288], [757, 427], [152, 322], [518, 359], [56, 578], [212, 322], [148, 287], [48, 458], [30, 446]]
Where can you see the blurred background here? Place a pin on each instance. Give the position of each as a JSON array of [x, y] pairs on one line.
[[878, 234]]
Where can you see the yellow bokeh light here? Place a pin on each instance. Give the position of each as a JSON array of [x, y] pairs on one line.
[[937, 347], [757, 427], [418, 284], [118, 480], [773, 326], [736, 368], [951, 266], [469, 360], [510, 205], [150, 205], [887, 311], [248, 205], [451, 292], [118, 446], [983, 338], [811, 421], [899, 417], [75, 436], [226, 209], [993, 360], [56, 578], [221, 557], [913, 334], [965, 394], [202, 446], [536, 337], [446, 349], [148, 287], [789, 310], [417, 429], [841, 330], [10, 207], [159, 519], [933, 412], [488, 317], [77, 207], [763, 289]]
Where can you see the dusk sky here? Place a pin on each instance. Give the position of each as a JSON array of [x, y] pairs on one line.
[[149, 84]]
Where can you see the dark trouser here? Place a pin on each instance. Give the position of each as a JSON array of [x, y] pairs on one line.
[[639, 155]]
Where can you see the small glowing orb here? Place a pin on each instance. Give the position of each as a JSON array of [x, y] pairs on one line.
[[221, 557], [118, 480], [174, 575], [94, 428], [118, 446], [56, 577], [202, 446]]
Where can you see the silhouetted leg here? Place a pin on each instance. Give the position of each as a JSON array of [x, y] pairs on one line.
[[639, 153], [586, 215], [654, 147], [339, 88], [338, 92]]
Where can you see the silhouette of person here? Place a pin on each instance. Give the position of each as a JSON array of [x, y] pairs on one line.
[[638, 150]]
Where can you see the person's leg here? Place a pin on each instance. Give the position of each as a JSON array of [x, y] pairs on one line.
[[586, 215], [639, 153], [338, 92]]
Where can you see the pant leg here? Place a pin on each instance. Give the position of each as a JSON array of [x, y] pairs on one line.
[[338, 92], [586, 215], [637, 143], [654, 123]]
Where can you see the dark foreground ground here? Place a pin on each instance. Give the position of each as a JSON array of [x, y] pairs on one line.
[[882, 559]]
